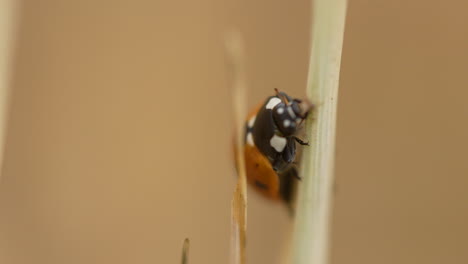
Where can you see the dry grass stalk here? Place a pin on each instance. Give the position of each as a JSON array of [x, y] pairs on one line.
[[8, 14], [185, 251], [235, 59]]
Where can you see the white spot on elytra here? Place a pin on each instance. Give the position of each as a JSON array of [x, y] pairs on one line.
[[286, 123], [250, 139], [251, 121], [272, 103], [280, 110], [278, 143]]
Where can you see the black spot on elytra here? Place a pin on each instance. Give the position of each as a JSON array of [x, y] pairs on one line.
[[261, 185]]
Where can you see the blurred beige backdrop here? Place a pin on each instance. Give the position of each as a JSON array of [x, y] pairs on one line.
[[118, 140]]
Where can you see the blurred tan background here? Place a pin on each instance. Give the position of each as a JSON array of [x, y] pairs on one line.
[[119, 130]]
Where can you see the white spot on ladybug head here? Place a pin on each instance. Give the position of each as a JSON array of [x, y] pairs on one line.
[[250, 139], [291, 112], [278, 143], [280, 110], [286, 123], [274, 101], [251, 121]]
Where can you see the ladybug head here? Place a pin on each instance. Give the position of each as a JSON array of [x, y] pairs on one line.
[[289, 114]]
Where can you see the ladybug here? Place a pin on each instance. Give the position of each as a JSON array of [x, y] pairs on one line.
[[270, 145]]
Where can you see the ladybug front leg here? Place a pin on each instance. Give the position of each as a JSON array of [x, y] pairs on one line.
[[301, 142]]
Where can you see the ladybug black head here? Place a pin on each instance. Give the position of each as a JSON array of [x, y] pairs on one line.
[[288, 114]]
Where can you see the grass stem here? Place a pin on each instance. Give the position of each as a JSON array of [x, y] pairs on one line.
[[311, 226]]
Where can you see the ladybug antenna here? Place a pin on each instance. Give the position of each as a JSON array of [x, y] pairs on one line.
[[281, 96]]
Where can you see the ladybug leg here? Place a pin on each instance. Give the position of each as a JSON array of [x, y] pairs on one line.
[[287, 184], [300, 141], [289, 152], [293, 172], [277, 164]]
